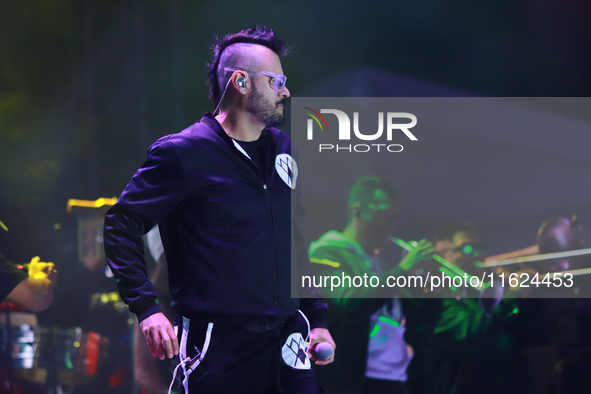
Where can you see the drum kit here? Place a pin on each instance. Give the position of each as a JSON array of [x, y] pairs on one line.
[[59, 360], [47, 359]]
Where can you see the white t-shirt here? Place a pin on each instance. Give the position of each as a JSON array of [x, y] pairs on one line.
[[387, 352], [155, 243]]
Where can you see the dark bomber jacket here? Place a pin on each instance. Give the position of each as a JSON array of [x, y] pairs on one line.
[[227, 234]]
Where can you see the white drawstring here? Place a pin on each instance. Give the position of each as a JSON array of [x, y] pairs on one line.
[[174, 373], [188, 361], [307, 322]]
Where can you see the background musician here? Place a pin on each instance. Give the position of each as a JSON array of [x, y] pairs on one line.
[[373, 355], [470, 338], [31, 290]]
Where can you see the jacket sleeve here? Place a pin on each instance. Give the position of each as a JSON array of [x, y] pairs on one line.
[[153, 191]]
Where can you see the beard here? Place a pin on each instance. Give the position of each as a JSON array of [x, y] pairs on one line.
[[266, 113]]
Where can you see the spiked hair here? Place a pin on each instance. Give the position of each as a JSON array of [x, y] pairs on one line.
[[257, 34]]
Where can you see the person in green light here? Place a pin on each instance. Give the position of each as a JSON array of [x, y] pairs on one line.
[[373, 356], [469, 349]]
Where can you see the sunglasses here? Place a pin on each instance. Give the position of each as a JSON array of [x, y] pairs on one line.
[[277, 81]]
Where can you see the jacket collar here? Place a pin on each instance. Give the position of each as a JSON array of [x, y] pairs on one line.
[[271, 142], [212, 122]]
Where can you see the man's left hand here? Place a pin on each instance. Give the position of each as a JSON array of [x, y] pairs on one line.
[[318, 335]]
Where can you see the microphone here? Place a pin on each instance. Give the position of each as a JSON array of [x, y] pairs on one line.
[[323, 351]]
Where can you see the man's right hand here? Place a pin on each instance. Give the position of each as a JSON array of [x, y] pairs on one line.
[[160, 336]]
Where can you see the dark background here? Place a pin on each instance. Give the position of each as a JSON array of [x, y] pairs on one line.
[[86, 86]]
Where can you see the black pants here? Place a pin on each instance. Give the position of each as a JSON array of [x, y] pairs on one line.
[[242, 361], [378, 386]]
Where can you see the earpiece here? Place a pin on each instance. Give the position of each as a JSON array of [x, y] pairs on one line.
[[355, 211], [241, 81]]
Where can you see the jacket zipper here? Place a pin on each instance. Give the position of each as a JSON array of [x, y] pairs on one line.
[[271, 218]]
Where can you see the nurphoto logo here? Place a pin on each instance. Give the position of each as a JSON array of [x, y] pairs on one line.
[[344, 131]]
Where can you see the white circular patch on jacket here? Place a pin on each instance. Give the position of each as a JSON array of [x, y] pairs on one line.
[[287, 169], [294, 352]]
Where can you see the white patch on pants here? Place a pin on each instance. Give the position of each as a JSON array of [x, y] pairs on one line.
[[294, 352]]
